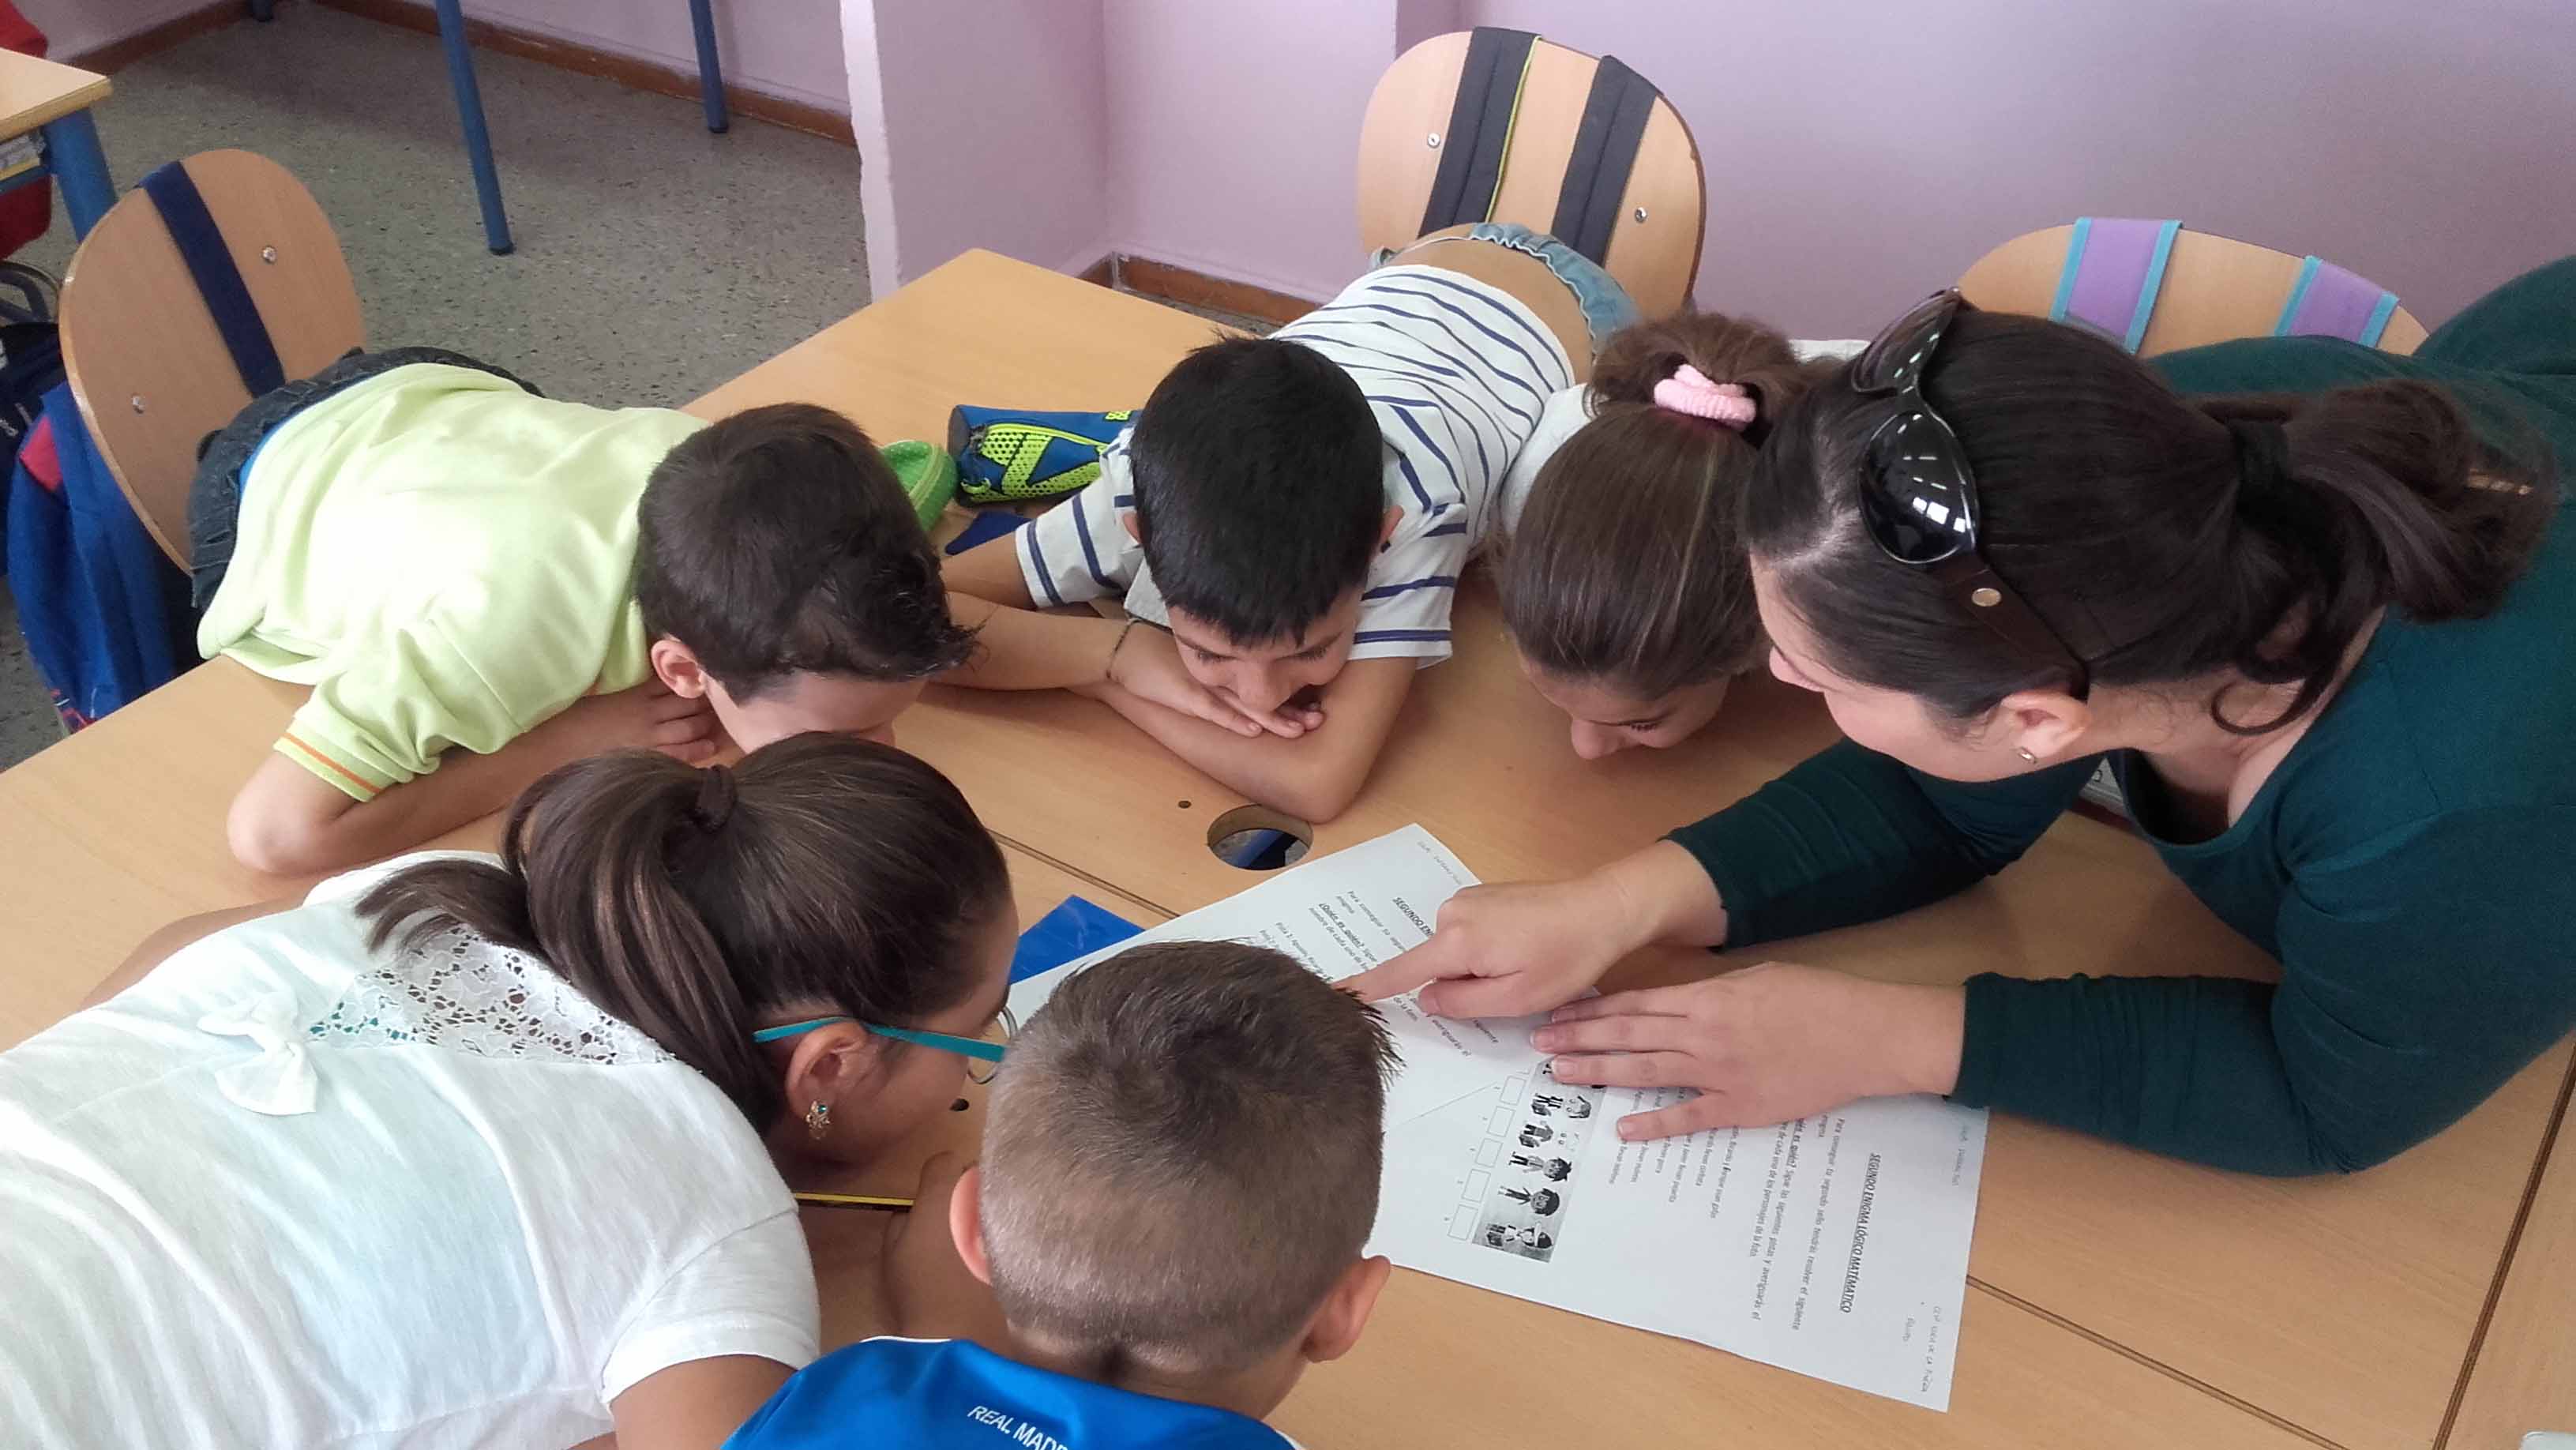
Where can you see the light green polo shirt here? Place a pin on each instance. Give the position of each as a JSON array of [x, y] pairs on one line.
[[446, 559]]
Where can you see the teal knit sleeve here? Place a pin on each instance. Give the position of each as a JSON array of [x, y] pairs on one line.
[[1851, 836], [2416, 977]]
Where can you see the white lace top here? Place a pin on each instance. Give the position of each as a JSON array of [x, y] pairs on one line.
[[458, 991], [289, 1191]]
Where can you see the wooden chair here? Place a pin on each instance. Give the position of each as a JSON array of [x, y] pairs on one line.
[[148, 365], [2200, 288], [1499, 125]]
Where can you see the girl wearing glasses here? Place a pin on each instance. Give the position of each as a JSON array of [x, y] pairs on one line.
[[466, 1150], [2312, 602]]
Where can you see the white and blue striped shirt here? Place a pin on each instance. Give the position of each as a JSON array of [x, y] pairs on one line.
[[1457, 373]]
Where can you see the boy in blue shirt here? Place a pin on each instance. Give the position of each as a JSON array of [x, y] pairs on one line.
[[1151, 1285]]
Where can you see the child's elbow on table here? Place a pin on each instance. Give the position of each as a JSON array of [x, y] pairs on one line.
[[287, 822]]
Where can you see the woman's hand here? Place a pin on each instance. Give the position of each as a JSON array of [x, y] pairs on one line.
[[1146, 663], [1510, 950], [933, 1294], [1763, 1045]]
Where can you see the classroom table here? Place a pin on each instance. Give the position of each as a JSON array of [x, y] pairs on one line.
[[53, 100], [2524, 1375], [2114, 1298]]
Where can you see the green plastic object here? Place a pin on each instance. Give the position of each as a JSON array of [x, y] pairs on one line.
[[928, 475]]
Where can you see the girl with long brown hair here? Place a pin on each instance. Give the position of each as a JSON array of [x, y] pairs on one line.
[[477, 1150], [1623, 577]]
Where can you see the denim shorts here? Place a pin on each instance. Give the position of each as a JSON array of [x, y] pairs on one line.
[[214, 496], [1605, 304]]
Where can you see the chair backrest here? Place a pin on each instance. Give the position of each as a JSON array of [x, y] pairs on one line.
[[148, 362], [2156, 287], [1499, 125]]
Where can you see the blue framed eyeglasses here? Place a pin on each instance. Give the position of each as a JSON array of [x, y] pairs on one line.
[[984, 1055]]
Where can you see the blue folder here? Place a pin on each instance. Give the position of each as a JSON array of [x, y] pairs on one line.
[[1073, 930]]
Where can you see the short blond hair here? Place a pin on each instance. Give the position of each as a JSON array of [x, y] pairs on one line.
[[1182, 1156]]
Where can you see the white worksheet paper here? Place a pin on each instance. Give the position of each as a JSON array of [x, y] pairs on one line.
[[1836, 1246]]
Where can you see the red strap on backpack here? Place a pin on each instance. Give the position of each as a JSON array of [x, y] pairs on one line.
[[28, 211]]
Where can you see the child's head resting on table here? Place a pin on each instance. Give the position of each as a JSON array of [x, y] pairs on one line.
[[822, 878], [1260, 500], [1179, 1171], [784, 578], [1624, 583]]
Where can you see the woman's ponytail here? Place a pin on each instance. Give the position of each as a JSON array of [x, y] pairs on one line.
[[627, 934], [2357, 500], [2165, 539], [823, 872]]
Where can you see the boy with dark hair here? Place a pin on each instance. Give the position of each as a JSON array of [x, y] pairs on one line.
[[481, 584], [1255, 465], [781, 574], [1289, 516], [1155, 1288]]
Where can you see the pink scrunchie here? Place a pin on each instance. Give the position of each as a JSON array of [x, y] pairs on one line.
[[1689, 391]]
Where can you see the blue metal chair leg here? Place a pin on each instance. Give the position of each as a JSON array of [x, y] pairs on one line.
[[263, 10], [478, 142], [79, 165], [711, 95]]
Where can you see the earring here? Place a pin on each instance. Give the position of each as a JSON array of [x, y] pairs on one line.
[[2024, 752], [818, 1119]]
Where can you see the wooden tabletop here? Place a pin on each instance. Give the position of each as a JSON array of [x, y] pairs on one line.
[[2115, 1299], [34, 91], [2523, 1374]]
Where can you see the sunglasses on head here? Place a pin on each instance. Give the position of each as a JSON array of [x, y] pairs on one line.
[[1918, 498]]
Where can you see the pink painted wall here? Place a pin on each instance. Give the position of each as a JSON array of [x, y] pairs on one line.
[[981, 123], [1232, 131], [1857, 159]]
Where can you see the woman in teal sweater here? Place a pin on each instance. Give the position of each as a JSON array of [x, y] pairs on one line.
[[2317, 606]]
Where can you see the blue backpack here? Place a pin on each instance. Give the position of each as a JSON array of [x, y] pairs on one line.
[[104, 611]]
